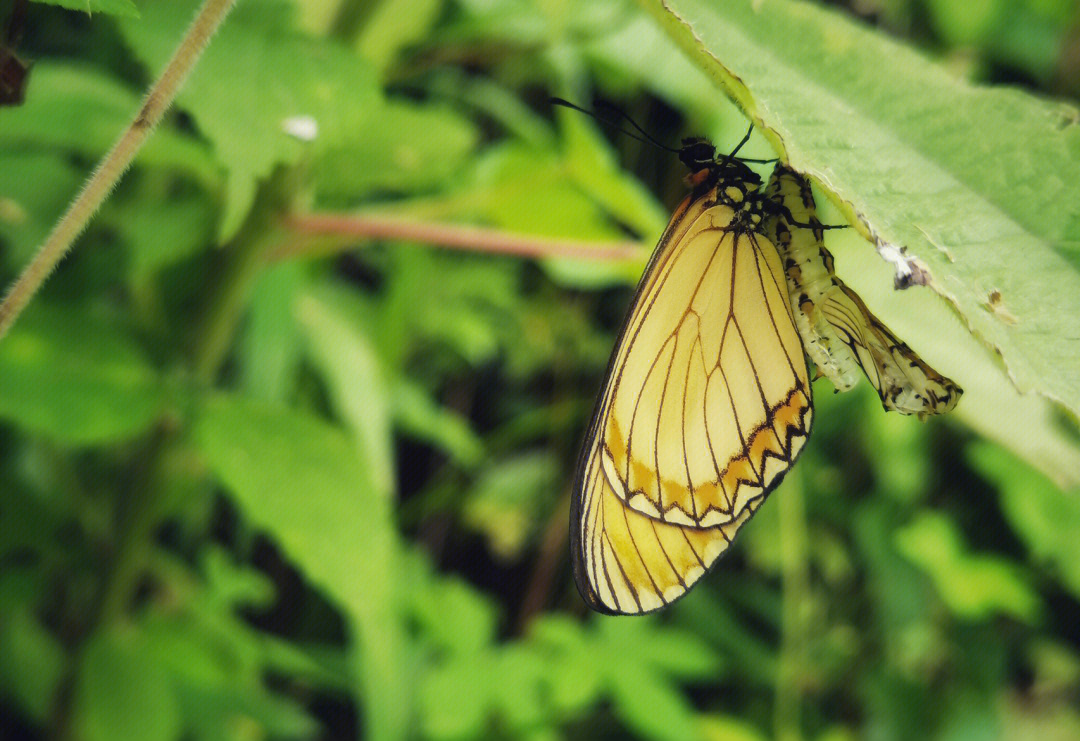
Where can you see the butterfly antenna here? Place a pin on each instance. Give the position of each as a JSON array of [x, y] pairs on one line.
[[624, 116], [644, 135], [745, 139]]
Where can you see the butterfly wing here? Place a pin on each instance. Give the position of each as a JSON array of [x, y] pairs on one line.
[[903, 381], [707, 388], [706, 405], [626, 562], [837, 329]]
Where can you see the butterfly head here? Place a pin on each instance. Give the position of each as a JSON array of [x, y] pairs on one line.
[[704, 164], [697, 154]]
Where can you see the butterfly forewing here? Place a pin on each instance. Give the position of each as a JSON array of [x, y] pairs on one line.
[[708, 356], [706, 405]]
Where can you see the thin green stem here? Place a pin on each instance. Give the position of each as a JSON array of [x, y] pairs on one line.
[[136, 520], [233, 280], [795, 576], [115, 163]]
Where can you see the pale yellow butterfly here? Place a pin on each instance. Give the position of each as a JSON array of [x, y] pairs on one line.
[[707, 402]]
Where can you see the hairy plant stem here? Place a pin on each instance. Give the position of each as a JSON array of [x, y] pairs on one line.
[[795, 576], [115, 163], [140, 511]]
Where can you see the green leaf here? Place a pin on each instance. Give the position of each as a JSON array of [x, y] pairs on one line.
[[394, 24], [76, 379], [521, 689], [233, 585], [471, 314], [652, 707], [577, 666], [218, 663], [668, 650], [508, 498], [715, 620], [978, 183], [632, 662], [454, 701], [270, 347], [122, 693], [300, 479], [642, 54], [80, 109], [492, 99], [974, 586], [34, 191], [679, 653], [213, 709], [518, 188], [163, 233], [111, 7], [421, 417], [400, 146], [456, 618], [33, 665], [251, 56], [730, 728], [1043, 515], [967, 24], [355, 382]]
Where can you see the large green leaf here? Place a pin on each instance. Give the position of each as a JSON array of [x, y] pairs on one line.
[[123, 693], [254, 77], [33, 665], [972, 585], [114, 7], [34, 189], [356, 383], [1046, 518], [301, 480], [75, 379], [980, 184]]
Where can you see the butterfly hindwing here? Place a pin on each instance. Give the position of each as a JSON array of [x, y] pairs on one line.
[[626, 562]]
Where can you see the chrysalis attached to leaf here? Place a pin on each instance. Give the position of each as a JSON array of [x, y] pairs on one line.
[[838, 331]]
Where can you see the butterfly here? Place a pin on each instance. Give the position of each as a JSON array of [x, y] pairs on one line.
[[707, 402]]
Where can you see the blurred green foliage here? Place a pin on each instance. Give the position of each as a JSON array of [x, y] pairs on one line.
[[249, 492]]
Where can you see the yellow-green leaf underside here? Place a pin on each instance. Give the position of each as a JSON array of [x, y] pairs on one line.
[[981, 184]]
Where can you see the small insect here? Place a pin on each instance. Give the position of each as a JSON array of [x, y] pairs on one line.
[[707, 401], [996, 306]]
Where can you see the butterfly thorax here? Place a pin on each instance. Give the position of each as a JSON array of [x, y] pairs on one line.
[[726, 181]]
